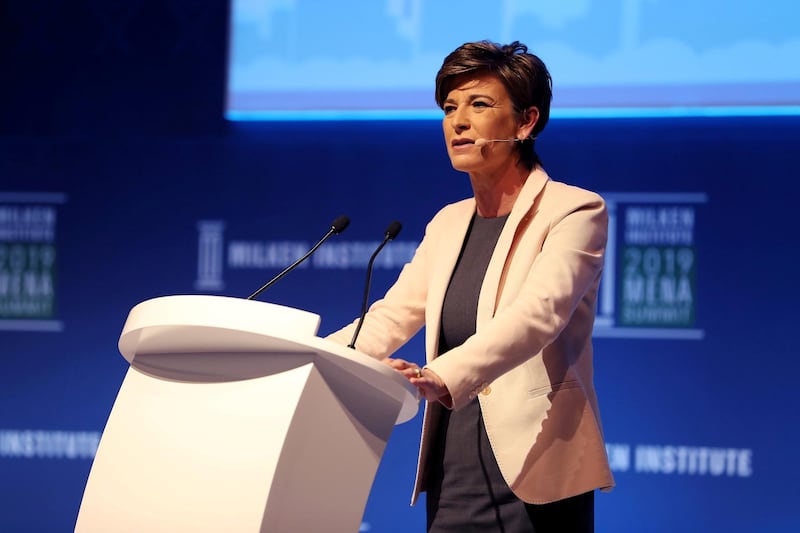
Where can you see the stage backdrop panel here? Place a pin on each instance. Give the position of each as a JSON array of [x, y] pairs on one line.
[[694, 362]]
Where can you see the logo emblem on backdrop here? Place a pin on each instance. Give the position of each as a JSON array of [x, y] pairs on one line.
[[210, 255], [216, 255], [649, 285], [28, 261]]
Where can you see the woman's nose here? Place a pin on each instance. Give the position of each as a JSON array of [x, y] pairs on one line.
[[460, 120]]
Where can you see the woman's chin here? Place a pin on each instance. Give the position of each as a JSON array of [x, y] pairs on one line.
[[467, 164]]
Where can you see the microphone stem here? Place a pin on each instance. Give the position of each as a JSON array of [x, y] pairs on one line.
[[365, 301], [274, 280]]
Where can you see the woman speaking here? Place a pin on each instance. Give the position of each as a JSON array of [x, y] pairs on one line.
[[505, 284]]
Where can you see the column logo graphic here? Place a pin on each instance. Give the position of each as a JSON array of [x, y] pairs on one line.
[[210, 255]]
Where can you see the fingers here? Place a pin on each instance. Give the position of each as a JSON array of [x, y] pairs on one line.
[[425, 390], [429, 390], [412, 372], [429, 384], [398, 364], [407, 368]]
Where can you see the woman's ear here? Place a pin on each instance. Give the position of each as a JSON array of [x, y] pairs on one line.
[[529, 119]]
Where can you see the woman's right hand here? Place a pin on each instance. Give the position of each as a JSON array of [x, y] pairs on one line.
[[407, 368], [430, 385]]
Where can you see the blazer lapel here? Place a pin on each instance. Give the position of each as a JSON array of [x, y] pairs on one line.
[[443, 263], [518, 219]]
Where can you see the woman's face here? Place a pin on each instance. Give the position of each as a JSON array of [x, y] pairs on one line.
[[479, 107]]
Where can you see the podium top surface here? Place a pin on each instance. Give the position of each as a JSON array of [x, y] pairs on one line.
[[220, 327]]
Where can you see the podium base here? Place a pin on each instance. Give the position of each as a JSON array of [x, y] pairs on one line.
[[279, 452]]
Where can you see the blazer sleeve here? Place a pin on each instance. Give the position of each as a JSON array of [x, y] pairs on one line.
[[560, 275]]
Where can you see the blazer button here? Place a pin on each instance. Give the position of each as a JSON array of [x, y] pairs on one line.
[[486, 391]]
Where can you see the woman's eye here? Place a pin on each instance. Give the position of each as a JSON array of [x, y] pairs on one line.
[[449, 109], [478, 103]]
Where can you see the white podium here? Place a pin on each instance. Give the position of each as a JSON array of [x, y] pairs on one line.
[[235, 417]]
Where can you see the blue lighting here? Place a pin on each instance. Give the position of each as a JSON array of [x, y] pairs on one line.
[[577, 113]]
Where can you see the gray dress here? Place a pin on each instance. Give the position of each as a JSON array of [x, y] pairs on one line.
[[467, 492]]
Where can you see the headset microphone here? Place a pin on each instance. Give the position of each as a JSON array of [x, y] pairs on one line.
[[483, 142]]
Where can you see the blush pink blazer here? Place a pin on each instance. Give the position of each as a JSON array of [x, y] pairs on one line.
[[530, 360]]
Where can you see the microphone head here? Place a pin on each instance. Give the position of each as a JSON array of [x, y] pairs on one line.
[[340, 224], [393, 229], [481, 142]]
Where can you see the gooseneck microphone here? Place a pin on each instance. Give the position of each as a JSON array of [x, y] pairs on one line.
[[337, 226], [390, 233]]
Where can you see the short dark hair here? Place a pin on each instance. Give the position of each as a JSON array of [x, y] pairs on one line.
[[523, 74]]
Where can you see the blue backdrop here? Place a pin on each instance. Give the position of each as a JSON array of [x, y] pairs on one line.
[[115, 164]]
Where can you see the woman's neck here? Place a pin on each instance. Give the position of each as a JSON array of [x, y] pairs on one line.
[[495, 193]]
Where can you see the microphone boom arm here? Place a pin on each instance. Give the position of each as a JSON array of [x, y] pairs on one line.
[[291, 267], [337, 227]]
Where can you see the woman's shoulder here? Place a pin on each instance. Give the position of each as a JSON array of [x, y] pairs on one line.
[[559, 191]]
